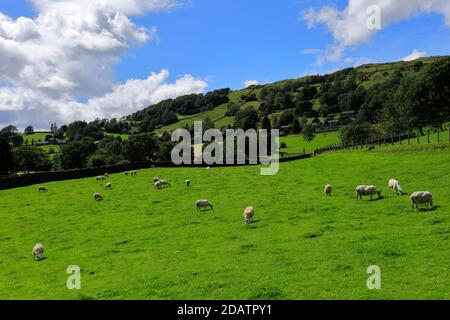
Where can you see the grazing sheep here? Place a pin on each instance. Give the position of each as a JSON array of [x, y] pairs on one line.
[[108, 186], [162, 184], [394, 185], [155, 179], [38, 252], [204, 204], [421, 197], [249, 213], [126, 173], [106, 175], [188, 183], [135, 173], [328, 190], [101, 178], [98, 197], [367, 191], [43, 189]]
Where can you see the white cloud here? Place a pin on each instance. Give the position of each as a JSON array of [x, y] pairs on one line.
[[349, 26], [416, 54], [69, 50], [248, 83]]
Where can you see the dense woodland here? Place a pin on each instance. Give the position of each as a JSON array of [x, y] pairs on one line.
[[408, 98]]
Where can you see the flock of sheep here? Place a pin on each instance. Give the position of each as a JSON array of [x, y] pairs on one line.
[[417, 198]]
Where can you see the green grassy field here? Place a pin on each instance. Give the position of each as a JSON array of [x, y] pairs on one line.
[[37, 136], [296, 143], [142, 243]]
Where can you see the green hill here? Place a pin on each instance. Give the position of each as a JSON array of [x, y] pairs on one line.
[[366, 76]]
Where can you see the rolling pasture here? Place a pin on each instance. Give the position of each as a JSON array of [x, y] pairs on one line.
[[143, 243]]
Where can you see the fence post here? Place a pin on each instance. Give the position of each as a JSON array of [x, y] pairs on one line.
[[400, 139], [409, 138]]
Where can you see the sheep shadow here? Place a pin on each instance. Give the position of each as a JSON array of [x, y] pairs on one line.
[[435, 208]]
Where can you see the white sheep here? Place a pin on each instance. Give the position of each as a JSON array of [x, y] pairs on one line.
[[367, 191], [204, 204], [328, 190], [97, 197], [162, 184], [38, 252], [155, 179], [249, 213], [394, 185], [43, 189], [126, 173], [100, 178], [108, 186], [421, 197]]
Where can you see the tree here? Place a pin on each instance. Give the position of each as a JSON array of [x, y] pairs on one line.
[[8, 132], [29, 130], [423, 99], [246, 119], [29, 158], [142, 147], [16, 140], [286, 118], [74, 154], [309, 133], [296, 128], [6, 157], [265, 123], [232, 109]]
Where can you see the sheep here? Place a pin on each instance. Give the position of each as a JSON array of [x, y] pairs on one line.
[[108, 186], [204, 204], [188, 183], [155, 179], [328, 190], [106, 175], [162, 184], [38, 252], [97, 197], [100, 178], [367, 191], [421, 197], [395, 186], [135, 172], [126, 173], [43, 189], [249, 213]]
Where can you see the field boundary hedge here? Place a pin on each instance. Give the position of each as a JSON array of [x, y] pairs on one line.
[[15, 181]]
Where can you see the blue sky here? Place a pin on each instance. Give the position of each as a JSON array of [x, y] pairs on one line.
[[224, 43]]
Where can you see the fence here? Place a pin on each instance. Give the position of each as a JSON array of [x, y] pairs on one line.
[[407, 139]]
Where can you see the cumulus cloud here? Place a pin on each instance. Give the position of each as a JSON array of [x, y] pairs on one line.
[[416, 54], [69, 50], [349, 26], [248, 83]]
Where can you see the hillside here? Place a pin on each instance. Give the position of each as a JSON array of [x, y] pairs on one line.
[[366, 76], [141, 244]]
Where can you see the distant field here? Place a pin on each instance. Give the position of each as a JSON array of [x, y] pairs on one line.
[[142, 243], [124, 137], [296, 143], [37, 136]]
